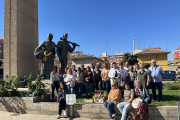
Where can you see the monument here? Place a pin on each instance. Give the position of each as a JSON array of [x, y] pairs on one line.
[[46, 51], [63, 47], [20, 37]]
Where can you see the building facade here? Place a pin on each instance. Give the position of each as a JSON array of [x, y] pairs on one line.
[[137, 51], [86, 60], [176, 53], [154, 53], [112, 58], [1, 47]]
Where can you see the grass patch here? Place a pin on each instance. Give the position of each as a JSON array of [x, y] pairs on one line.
[[169, 97], [171, 86], [99, 117]]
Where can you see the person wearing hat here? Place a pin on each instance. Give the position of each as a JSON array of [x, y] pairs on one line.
[[128, 98], [97, 80], [141, 104]]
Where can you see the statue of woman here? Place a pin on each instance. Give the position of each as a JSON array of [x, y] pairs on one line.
[[46, 51]]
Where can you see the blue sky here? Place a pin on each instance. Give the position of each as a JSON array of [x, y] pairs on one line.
[[91, 21]]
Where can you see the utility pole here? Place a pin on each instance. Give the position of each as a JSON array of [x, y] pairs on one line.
[[134, 46]]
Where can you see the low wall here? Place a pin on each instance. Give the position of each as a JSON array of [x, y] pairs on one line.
[[172, 67], [28, 105]]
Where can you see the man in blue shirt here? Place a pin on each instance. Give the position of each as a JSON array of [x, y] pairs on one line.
[[156, 72]]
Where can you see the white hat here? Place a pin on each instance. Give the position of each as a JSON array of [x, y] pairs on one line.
[[136, 102]]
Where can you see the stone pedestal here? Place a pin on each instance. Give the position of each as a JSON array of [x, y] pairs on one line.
[[20, 37]]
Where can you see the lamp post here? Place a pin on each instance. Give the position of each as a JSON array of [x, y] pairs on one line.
[[134, 45]]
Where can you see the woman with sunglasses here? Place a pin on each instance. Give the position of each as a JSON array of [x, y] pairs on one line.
[[61, 78], [114, 98]]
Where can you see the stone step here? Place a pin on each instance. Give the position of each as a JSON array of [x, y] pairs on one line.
[[31, 105]]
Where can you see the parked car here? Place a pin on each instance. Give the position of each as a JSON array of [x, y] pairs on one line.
[[169, 74]]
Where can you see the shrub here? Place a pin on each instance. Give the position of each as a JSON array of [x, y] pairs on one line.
[[9, 85], [36, 89], [172, 86]]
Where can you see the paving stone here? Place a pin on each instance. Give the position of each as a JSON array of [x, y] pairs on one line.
[[93, 110]]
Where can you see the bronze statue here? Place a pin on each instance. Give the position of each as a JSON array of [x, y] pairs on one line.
[[46, 51], [63, 48]]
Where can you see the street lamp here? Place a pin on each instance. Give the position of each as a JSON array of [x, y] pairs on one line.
[[134, 45]]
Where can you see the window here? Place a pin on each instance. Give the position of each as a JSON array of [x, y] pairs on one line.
[[0, 56], [0, 51], [0, 46]]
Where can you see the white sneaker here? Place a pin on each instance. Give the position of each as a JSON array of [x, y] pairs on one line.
[[65, 114], [114, 115], [58, 116]]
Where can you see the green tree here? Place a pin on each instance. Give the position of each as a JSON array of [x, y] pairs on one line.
[[132, 59]]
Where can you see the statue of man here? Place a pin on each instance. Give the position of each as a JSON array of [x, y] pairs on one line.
[[63, 48], [46, 52]]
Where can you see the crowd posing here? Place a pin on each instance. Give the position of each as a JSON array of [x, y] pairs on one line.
[[133, 85]]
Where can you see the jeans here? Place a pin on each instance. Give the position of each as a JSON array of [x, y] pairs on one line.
[[70, 90], [56, 85], [177, 78], [88, 87], [110, 107], [97, 86], [106, 85], [62, 105], [123, 109], [159, 86], [79, 90]]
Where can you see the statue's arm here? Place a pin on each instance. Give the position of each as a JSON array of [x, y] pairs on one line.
[[71, 49], [39, 47], [54, 50], [58, 47]]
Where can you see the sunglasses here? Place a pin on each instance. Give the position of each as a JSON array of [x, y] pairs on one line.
[[112, 85]]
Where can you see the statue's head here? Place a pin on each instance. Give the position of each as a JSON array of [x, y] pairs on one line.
[[65, 35], [50, 36], [61, 38]]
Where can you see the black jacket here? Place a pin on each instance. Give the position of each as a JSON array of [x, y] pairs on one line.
[[89, 76]]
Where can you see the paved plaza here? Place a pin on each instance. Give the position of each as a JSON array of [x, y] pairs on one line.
[[14, 116]]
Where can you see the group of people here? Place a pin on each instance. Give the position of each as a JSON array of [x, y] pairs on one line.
[[132, 84], [141, 78]]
